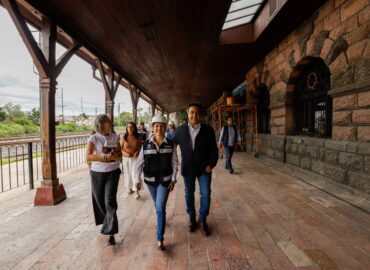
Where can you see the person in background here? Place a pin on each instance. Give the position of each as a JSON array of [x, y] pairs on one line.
[[184, 121], [229, 137], [199, 154], [158, 160], [170, 133], [130, 145], [143, 132], [104, 152]]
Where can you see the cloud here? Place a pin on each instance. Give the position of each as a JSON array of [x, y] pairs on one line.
[[8, 80]]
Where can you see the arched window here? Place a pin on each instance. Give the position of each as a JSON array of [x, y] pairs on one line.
[[313, 106], [263, 109]]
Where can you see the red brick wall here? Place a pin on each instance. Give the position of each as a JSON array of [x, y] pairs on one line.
[[339, 34]]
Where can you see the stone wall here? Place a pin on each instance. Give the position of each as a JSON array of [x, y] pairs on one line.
[[338, 33], [345, 162]]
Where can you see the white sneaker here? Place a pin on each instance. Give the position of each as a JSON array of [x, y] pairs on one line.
[[129, 192]]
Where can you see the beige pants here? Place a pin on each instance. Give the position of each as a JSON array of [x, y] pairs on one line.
[[129, 166]]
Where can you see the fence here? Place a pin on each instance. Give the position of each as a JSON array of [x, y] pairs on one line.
[[20, 162]]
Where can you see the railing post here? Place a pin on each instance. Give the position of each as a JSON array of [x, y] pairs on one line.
[[30, 165]]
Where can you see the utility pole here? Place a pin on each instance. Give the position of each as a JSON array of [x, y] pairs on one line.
[[62, 105], [96, 111], [82, 105]]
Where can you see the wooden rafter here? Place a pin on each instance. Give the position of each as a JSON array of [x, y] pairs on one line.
[[111, 83], [38, 57], [63, 60]]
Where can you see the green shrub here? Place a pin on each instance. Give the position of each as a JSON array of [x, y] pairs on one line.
[[69, 127], [10, 128]]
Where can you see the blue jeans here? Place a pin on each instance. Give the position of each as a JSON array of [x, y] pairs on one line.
[[229, 151], [205, 195], [159, 195]]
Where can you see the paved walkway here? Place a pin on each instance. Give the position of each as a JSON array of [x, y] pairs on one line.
[[261, 219]]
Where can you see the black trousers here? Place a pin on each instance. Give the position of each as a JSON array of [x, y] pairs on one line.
[[104, 197]]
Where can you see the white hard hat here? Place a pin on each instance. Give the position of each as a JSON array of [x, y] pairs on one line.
[[171, 123], [159, 118]]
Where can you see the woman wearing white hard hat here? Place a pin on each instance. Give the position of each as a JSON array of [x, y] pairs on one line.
[[158, 160]]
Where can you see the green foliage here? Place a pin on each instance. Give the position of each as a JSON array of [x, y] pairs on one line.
[[182, 115], [13, 121], [122, 119], [70, 127], [13, 112], [34, 116], [83, 116], [143, 116], [2, 114], [9, 128]]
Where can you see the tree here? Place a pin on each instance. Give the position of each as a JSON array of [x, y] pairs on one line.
[[2, 114], [13, 112], [34, 116], [143, 115], [123, 118], [83, 116]]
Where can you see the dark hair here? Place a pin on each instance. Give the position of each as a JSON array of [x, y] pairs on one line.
[[229, 116], [136, 132], [142, 123], [198, 105]]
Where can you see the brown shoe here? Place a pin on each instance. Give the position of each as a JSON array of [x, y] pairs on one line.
[[205, 230], [111, 240], [161, 246]]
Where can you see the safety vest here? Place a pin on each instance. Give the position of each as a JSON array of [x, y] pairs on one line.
[[158, 164]]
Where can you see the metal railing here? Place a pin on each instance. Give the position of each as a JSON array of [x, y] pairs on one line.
[[20, 162]]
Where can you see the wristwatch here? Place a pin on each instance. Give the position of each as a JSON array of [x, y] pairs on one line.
[[174, 181]]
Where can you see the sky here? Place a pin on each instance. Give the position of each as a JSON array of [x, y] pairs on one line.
[[19, 83]]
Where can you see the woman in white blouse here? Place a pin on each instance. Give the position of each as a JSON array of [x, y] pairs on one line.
[[104, 152]]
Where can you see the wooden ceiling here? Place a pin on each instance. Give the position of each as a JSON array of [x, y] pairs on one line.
[[181, 61]]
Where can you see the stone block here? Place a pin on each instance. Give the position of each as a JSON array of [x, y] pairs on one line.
[[318, 167], [335, 173], [331, 156], [362, 70], [345, 102], [364, 148], [361, 116], [367, 164], [342, 117], [351, 161], [293, 160], [312, 151], [306, 163], [352, 147], [363, 134], [301, 149], [278, 155], [344, 133], [364, 98], [351, 7], [336, 145], [359, 181]]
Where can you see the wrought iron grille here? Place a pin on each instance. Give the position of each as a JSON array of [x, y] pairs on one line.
[[313, 106]]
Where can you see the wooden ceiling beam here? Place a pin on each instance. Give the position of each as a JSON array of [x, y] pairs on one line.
[[37, 55], [63, 60]]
